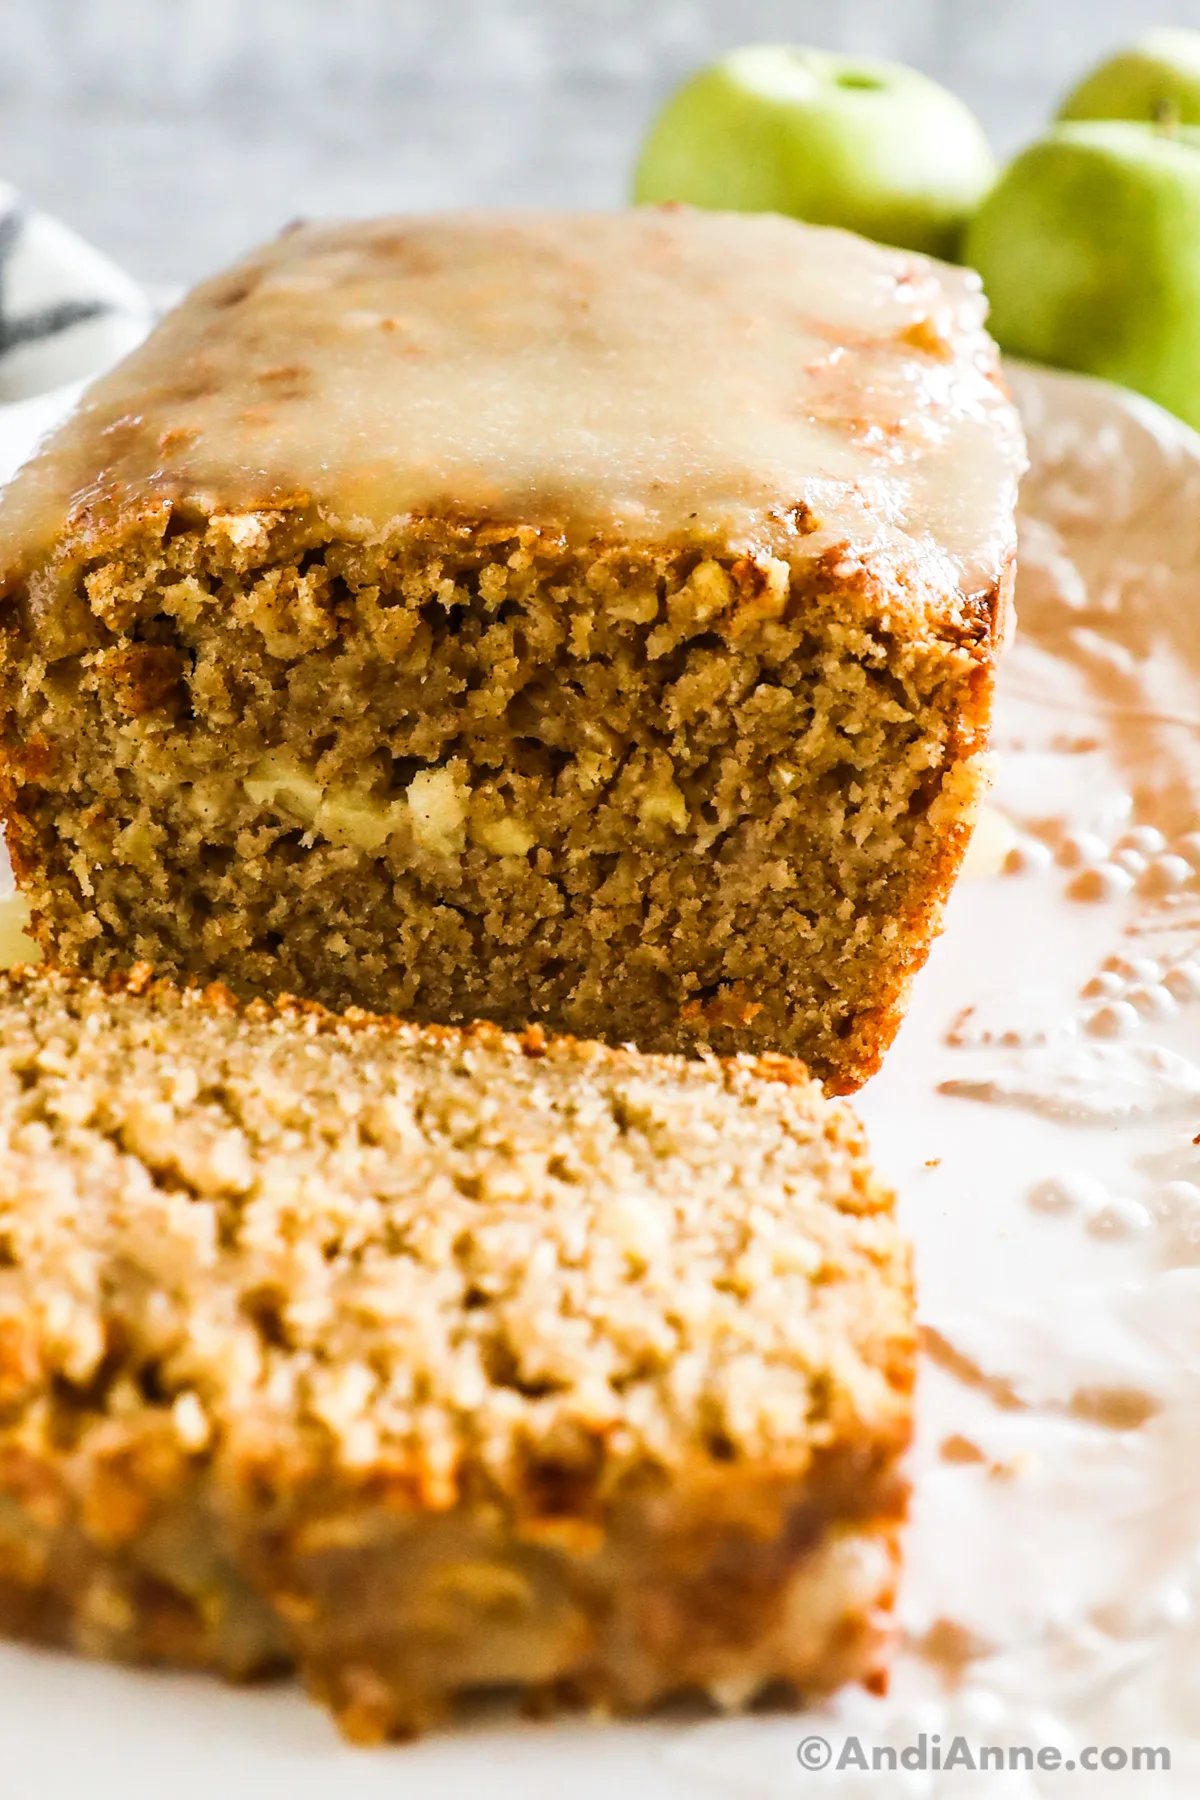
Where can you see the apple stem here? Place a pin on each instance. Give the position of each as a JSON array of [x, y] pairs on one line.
[[1166, 116]]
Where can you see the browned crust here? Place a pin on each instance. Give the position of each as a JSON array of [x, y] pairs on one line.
[[993, 611]]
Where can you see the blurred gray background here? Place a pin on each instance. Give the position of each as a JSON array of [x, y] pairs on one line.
[[175, 132]]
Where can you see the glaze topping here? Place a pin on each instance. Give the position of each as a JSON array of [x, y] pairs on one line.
[[642, 375]]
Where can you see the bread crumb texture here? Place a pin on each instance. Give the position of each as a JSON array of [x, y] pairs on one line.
[[671, 795], [427, 1359]]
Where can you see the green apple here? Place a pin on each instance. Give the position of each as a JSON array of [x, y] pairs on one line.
[[1089, 248], [838, 140], [1157, 79]]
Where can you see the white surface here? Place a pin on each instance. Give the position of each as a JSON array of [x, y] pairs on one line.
[[1041, 1137]]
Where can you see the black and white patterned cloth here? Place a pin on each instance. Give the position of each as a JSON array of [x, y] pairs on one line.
[[66, 313]]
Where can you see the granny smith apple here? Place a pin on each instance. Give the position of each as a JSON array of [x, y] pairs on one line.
[[1156, 79], [838, 140], [1089, 248]]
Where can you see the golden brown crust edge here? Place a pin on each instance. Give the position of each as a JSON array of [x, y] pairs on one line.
[[968, 746]]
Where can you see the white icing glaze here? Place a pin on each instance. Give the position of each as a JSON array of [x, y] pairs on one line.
[[645, 374]]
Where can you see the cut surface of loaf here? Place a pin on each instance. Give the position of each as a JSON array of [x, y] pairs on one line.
[[427, 1361], [579, 618]]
